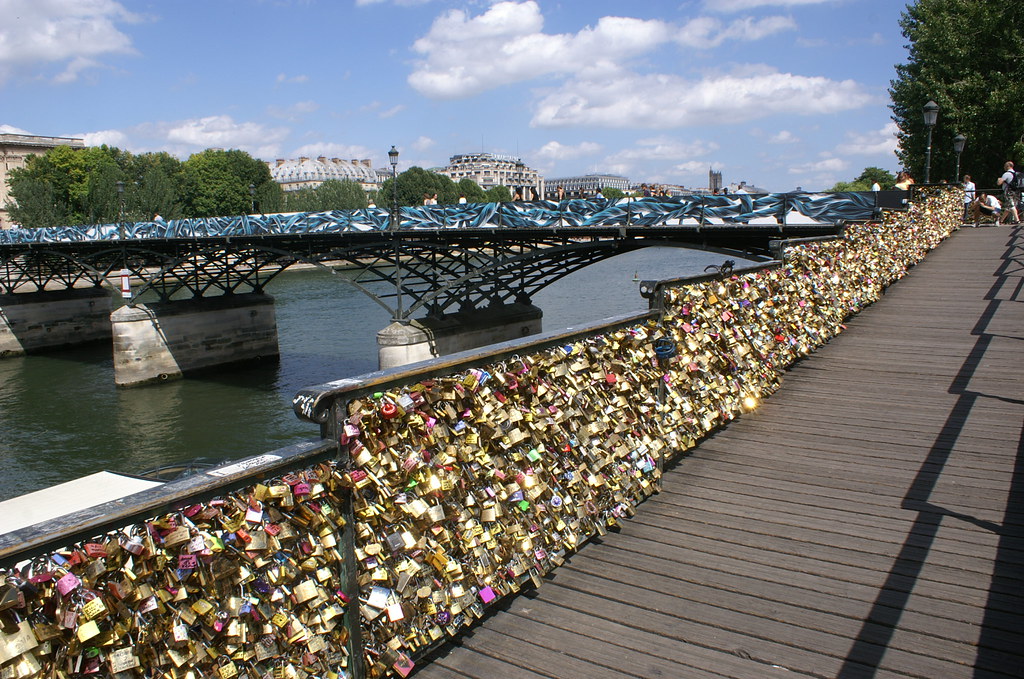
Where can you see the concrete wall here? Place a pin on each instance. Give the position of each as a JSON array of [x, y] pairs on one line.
[[35, 321], [423, 339], [164, 340]]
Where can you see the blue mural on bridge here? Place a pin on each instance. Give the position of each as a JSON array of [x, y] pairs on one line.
[[734, 209]]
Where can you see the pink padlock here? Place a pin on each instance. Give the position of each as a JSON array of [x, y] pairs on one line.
[[68, 584]]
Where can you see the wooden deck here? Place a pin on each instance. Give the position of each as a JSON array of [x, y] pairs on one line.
[[867, 521]]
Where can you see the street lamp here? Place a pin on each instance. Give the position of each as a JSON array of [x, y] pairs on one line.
[[931, 115], [958, 148], [393, 157], [252, 198], [120, 209]]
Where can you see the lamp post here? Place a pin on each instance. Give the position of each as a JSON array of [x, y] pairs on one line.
[[252, 198], [931, 115], [958, 147], [393, 157], [120, 209]]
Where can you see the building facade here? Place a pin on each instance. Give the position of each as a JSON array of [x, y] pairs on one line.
[[309, 173], [489, 170], [587, 186], [14, 152]]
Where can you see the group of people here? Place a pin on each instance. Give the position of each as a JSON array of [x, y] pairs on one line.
[[984, 205]]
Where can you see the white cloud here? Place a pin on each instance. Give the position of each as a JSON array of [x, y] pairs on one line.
[[740, 5], [330, 150], [75, 32], [295, 111], [824, 165], [282, 78], [875, 142], [108, 137], [467, 55], [223, 132], [423, 144], [692, 167], [554, 150], [783, 137], [400, 3], [10, 129], [667, 101], [705, 32], [391, 112], [663, 148]]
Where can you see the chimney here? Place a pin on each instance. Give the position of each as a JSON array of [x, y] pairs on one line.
[[279, 162], [322, 159]]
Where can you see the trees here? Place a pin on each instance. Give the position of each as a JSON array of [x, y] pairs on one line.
[[217, 182], [869, 176], [333, 194], [611, 193], [967, 56]]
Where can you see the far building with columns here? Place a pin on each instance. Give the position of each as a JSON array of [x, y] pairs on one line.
[[15, 150], [490, 169], [309, 173], [588, 185]]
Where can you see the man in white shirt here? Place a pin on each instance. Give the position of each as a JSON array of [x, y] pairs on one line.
[[969, 189], [1010, 196], [987, 205]]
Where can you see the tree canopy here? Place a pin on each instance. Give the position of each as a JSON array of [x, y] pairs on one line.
[[67, 186], [968, 57], [867, 178]]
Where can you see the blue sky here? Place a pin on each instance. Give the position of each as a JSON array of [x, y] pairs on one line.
[[778, 93]]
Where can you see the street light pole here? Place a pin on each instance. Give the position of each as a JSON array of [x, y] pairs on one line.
[[931, 115], [252, 199], [399, 312], [393, 157], [120, 209], [958, 147]]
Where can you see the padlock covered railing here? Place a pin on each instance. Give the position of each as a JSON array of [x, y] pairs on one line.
[[438, 488]]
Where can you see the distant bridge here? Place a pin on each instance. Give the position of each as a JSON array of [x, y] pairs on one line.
[[436, 259]]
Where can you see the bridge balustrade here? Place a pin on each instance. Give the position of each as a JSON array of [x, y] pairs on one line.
[[775, 208], [437, 489]]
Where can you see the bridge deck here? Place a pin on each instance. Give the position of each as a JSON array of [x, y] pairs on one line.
[[867, 521]]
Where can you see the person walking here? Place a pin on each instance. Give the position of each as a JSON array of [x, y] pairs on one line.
[[969, 189], [1011, 194]]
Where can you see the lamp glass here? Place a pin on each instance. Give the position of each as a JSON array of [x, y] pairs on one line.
[[931, 113], [958, 143]]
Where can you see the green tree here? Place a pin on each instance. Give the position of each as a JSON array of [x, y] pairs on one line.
[[967, 56], [612, 193], [867, 178], [336, 194], [471, 190], [414, 184], [498, 194], [217, 182]]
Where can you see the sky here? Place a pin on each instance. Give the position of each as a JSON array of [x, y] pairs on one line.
[[777, 93]]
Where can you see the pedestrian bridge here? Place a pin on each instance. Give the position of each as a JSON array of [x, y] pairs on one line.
[[809, 468], [452, 277]]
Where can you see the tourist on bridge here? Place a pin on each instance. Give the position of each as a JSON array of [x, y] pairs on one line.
[[987, 205], [1011, 193], [904, 181], [969, 189]]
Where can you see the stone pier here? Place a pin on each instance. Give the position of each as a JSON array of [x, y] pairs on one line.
[[165, 340], [426, 338], [37, 321]]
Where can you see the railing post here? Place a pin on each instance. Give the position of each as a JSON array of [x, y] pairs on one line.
[[349, 563]]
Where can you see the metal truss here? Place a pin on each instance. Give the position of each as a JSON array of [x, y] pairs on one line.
[[409, 273]]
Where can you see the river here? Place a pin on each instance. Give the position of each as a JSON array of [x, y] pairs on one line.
[[61, 417]]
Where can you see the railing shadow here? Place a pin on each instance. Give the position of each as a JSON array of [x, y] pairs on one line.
[[1004, 597]]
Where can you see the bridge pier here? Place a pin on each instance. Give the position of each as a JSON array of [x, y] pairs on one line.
[[35, 321], [426, 338], [164, 340]]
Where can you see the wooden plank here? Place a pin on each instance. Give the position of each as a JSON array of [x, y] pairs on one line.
[[864, 522]]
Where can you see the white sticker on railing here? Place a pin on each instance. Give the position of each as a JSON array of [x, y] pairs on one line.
[[242, 466]]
